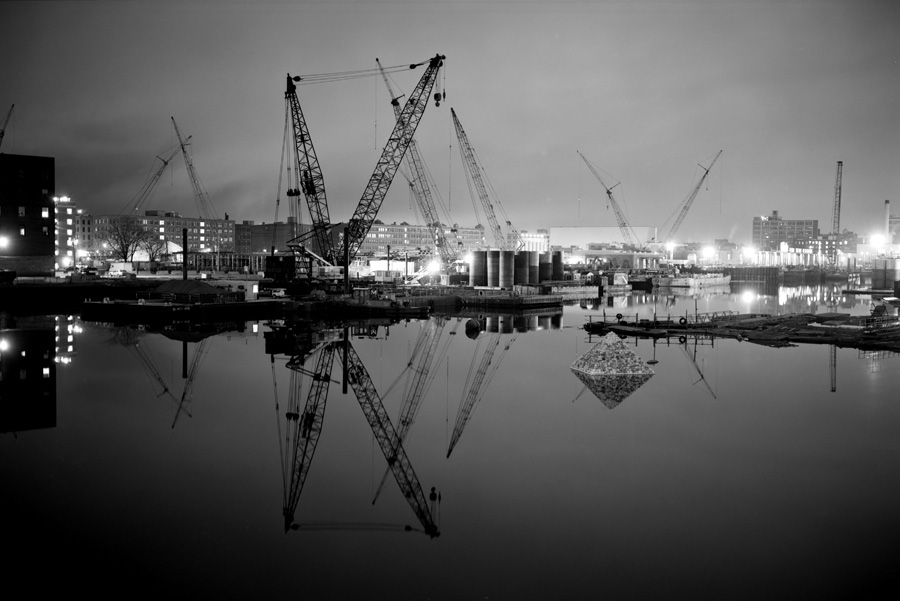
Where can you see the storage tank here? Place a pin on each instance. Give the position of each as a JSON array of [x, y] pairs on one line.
[[478, 269], [545, 267], [507, 268], [533, 266], [506, 323], [557, 262], [493, 268], [521, 273]]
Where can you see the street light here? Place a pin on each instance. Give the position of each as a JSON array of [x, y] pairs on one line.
[[4, 241]]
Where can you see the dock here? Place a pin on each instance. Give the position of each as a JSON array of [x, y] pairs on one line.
[[877, 332]]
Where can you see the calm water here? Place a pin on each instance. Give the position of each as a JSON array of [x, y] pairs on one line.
[[734, 472]]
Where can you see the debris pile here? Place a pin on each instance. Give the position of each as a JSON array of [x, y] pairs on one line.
[[611, 370]]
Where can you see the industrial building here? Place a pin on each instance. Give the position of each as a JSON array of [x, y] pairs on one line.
[[770, 231]]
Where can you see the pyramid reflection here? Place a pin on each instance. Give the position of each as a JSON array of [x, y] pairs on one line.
[[611, 370]]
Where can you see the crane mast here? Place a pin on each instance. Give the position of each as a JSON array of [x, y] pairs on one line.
[[398, 142], [474, 171], [418, 182], [624, 227], [308, 173], [686, 205]]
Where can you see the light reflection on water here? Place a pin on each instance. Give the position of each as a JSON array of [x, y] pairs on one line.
[[733, 472]]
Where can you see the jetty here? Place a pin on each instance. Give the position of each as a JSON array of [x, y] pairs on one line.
[[865, 332]]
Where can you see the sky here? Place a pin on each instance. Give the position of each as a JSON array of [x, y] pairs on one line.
[[646, 90]]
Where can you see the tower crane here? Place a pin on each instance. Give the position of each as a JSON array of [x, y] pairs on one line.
[[624, 227], [397, 144], [687, 202], [836, 218], [308, 173], [475, 176], [418, 182], [5, 123]]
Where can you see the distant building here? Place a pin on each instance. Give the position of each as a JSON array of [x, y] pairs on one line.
[[769, 232], [27, 187], [582, 236], [537, 241], [203, 235]]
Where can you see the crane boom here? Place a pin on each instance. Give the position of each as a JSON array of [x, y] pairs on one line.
[[686, 204], [304, 429], [418, 182], [308, 173], [474, 171], [150, 185], [836, 218], [5, 123], [387, 438], [397, 144], [624, 226], [202, 197]]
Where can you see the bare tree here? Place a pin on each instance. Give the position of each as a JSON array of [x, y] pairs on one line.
[[156, 247], [125, 235]]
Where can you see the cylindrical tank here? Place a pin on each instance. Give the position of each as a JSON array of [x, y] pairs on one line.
[[533, 266], [493, 268], [557, 262], [507, 269], [492, 324], [545, 267], [521, 274], [520, 323], [478, 269]]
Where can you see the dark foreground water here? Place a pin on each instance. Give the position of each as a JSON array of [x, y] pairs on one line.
[[736, 471]]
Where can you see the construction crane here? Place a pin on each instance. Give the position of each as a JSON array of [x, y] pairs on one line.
[[5, 123], [202, 197], [836, 217], [150, 185], [418, 183], [305, 429], [478, 385], [687, 202], [476, 177], [624, 227], [397, 144], [309, 179], [422, 359]]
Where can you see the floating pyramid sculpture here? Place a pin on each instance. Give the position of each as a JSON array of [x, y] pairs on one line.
[[611, 370]]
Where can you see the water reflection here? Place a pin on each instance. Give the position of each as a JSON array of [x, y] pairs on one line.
[[28, 374]]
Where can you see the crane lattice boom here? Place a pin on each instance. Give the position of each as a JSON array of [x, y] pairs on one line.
[[418, 182], [475, 175], [398, 142], [203, 203], [836, 218], [686, 204], [309, 179], [624, 226]]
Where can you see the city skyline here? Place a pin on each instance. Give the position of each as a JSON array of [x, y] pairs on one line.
[[645, 90]]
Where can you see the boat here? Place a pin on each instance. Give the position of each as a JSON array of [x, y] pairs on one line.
[[691, 280]]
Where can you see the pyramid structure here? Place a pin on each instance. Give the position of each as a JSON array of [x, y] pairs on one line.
[[611, 370]]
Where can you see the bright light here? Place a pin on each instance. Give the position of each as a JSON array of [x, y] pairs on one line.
[[468, 258], [4, 241], [434, 267], [3, 345], [749, 252], [709, 252], [65, 261], [877, 239], [748, 296], [670, 246]]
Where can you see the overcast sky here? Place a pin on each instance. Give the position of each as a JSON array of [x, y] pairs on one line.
[[646, 90]]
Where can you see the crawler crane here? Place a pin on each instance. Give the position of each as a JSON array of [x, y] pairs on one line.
[[687, 202], [624, 226]]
